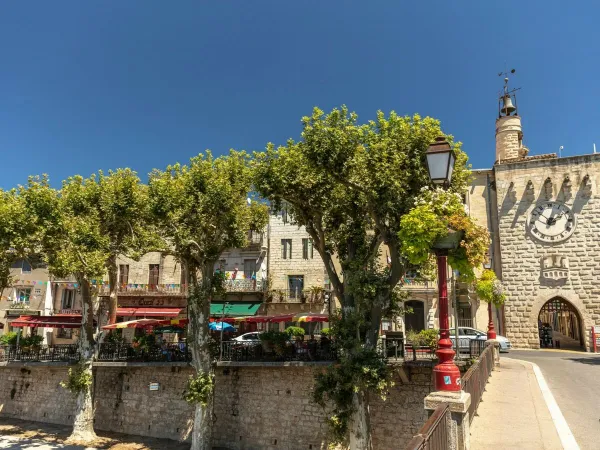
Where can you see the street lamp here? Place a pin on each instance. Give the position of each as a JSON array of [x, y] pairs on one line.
[[440, 161], [440, 164]]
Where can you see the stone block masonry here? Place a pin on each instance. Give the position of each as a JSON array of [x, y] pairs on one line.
[[255, 407]]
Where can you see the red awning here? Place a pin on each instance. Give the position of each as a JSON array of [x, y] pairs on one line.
[[148, 312], [58, 321]]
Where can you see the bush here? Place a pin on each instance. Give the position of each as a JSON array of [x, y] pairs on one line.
[[326, 332], [424, 338], [297, 332], [9, 338], [31, 341]]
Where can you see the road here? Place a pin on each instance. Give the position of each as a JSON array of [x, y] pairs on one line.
[[574, 379]]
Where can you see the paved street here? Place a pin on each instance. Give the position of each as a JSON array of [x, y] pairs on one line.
[[574, 379]]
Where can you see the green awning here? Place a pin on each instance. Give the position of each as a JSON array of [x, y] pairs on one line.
[[234, 309]]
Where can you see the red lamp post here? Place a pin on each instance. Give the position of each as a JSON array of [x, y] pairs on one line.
[[491, 333], [440, 164]]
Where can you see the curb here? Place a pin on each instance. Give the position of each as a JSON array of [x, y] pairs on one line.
[[562, 428]]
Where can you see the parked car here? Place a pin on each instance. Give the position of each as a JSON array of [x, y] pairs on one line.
[[466, 334], [248, 338]]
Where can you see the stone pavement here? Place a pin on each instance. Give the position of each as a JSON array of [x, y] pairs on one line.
[[24, 435], [513, 413]]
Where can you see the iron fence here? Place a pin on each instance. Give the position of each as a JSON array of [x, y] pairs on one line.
[[290, 351], [134, 353], [434, 434], [477, 376], [40, 353]]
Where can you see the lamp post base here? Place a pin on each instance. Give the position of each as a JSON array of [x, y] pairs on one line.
[[446, 373], [491, 333]]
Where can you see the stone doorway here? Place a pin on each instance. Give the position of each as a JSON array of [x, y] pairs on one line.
[[560, 325], [415, 320]]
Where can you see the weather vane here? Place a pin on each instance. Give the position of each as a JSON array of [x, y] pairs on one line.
[[505, 105]]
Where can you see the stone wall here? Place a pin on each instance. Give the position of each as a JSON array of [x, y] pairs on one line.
[[521, 187], [255, 407]]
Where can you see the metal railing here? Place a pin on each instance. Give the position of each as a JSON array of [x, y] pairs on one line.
[[40, 353], [134, 353], [465, 323], [146, 289], [477, 376], [245, 285], [434, 434], [291, 351], [392, 347]]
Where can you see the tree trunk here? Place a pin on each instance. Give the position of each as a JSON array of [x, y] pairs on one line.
[[360, 426], [199, 315], [83, 425], [113, 299]]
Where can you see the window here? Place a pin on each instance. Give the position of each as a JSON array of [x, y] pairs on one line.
[[286, 249], [22, 264], [64, 333], [123, 274], [307, 249], [23, 295], [296, 285], [154, 271], [68, 299], [249, 268], [284, 215]]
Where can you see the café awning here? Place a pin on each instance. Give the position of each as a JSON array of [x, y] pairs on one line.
[[148, 312], [143, 323], [233, 309], [302, 317], [57, 321]]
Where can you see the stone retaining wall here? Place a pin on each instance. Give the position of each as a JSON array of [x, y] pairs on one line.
[[255, 407]]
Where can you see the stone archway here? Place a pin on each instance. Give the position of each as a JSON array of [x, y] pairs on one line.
[[560, 325]]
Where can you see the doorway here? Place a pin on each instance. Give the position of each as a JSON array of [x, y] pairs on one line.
[[560, 326], [414, 320]]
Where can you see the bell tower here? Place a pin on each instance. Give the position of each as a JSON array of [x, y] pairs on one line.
[[509, 134]]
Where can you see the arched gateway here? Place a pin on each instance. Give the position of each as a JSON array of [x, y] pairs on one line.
[[560, 325]]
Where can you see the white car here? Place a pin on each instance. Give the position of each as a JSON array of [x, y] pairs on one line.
[[466, 334], [248, 338]]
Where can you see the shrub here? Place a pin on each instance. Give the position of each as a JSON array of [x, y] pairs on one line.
[[9, 338], [295, 332]]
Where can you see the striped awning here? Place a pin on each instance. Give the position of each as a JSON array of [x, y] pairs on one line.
[[148, 312], [57, 321]]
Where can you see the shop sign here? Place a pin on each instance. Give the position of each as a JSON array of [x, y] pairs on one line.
[[154, 386], [150, 302]]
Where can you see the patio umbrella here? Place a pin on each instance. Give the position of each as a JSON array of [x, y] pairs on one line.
[[168, 329], [217, 326]]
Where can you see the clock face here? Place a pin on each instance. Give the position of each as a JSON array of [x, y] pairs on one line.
[[552, 222]]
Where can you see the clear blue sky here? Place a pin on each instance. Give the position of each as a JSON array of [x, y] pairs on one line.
[[97, 85]]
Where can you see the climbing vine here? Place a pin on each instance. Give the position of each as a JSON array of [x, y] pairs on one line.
[[79, 379], [199, 388]]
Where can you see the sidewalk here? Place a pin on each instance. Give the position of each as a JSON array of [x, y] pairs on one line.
[[512, 413]]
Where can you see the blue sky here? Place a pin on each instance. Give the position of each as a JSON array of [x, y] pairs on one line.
[[99, 85]]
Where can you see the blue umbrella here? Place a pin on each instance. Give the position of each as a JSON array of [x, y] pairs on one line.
[[216, 326]]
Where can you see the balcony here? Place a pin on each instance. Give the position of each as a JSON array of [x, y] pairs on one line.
[[311, 295], [146, 290], [418, 284], [256, 241], [245, 285]]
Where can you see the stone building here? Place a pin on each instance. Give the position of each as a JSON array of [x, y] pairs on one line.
[[544, 217]]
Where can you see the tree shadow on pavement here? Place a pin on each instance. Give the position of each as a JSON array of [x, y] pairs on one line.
[[594, 361]]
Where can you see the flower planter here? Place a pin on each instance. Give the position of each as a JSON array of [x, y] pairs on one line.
[[450, 241]]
